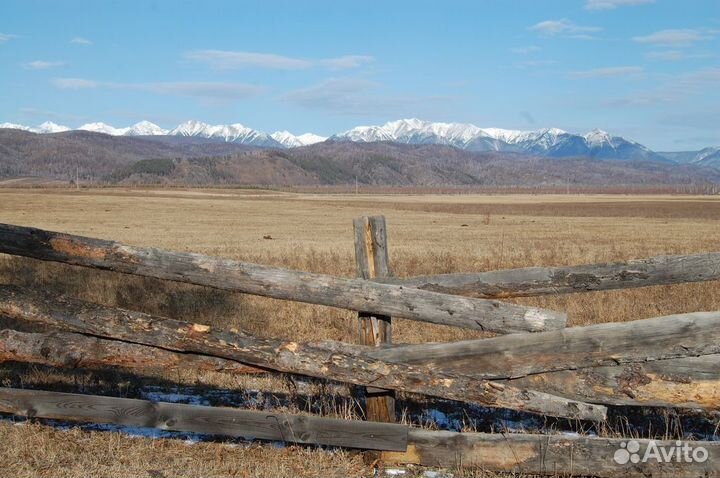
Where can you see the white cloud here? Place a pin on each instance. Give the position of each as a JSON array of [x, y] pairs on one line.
[[231, 60], [704, 82], [42, 65], [564, 27], [47, 114], [703, 119], [81, 41], [683, 37], [704, 77], [608, 72], [525, 50], [334, 93], [74, 83], [612, 4], [200, 89], [234, 60], [6, 37], [348, 96], [346, 62], [675, 55], [535, 63]]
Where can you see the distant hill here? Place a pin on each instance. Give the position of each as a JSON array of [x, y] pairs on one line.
[[704, 157], [96, 155], [550, 142], [189, 160], [392, 164]]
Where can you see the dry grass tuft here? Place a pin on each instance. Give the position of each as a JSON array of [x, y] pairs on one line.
[[427, 235], [33, 450]]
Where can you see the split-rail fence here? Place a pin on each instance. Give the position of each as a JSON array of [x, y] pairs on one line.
[[533, 363]]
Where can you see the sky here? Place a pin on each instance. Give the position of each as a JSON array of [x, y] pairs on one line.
[[648, 70]]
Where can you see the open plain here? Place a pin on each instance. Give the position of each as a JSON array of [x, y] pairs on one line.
[[428, 234]]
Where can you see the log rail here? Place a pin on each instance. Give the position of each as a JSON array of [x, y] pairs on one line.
[[495, 452], [354, 294], [331, 360], [572, 373], [537, 281]]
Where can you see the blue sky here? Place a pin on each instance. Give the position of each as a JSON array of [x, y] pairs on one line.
[[648, 70]]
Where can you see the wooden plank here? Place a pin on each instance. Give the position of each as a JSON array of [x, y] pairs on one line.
[[371, 257], [690, 382], [207, 420], [554, 455], [63, 349], [354, 294], [517, 355], [330, 360], [534, 281]]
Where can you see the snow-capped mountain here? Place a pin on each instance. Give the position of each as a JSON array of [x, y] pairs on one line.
[[234, 133], [50, 127], [705, 157], [414, 131], [46, 127], [365, 134], [145, 128], [15, 126], [551, 142], [289, 140], [708, 157], [100, 127]]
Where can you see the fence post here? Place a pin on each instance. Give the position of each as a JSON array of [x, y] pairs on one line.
[[371, 257]]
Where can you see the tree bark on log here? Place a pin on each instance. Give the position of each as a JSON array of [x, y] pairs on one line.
[[512, 356], [687, 382], [554, 455], [354, 294], [534, 281], [329, 360], [70, 350], [692, 382]]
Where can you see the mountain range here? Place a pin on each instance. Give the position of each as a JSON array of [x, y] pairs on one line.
[[705, 157], [232, 133], [546, 142], [177, 160]]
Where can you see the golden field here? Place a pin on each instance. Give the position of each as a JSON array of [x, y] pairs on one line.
[[428, 234]]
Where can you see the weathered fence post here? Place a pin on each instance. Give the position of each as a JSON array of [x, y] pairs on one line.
[[371, 256]]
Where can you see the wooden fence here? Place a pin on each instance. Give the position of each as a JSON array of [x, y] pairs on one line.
[[533, 364]]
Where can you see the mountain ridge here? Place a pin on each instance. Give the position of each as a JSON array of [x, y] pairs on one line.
[[548, 142], [551, 142], [193, 161]]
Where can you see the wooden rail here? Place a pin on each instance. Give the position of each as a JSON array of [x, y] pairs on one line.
[[665, 361], [534, 281], [515, 453], [517, 355], [70, 350], [202, 419], [689, 382], [331, 360], [553, 455], [354, 294]]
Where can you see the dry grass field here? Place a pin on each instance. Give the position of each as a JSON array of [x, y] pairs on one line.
[[427, 234]]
